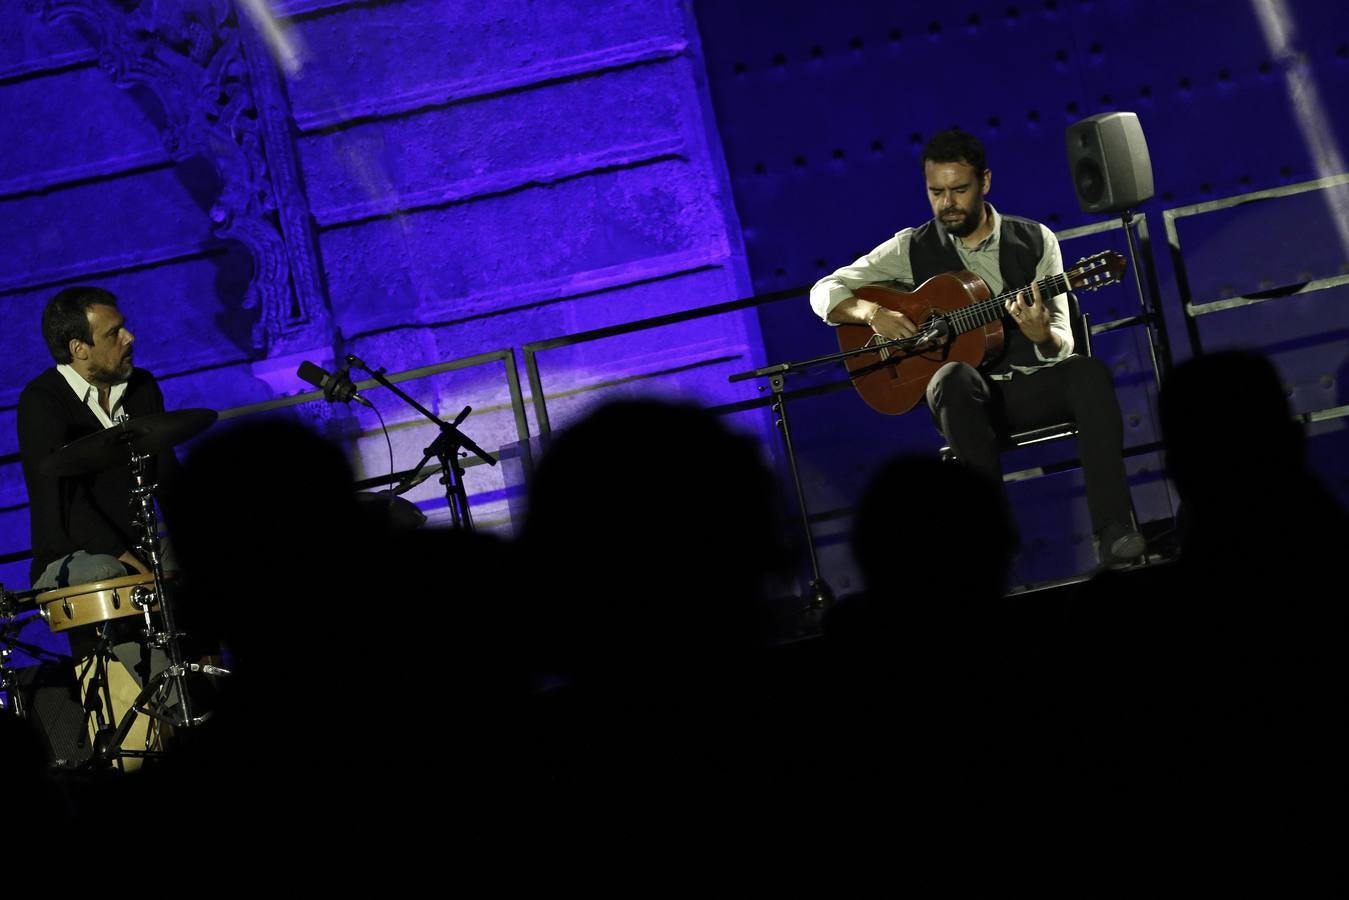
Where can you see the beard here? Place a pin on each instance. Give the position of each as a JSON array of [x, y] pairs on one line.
[[108, 377], [966, 225]]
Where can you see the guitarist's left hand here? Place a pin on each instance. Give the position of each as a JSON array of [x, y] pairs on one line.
[[1032, 317]]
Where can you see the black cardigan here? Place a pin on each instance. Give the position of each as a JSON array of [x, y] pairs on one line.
[[89, 512]]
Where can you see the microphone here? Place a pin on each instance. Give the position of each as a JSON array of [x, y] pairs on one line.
[[938, 328], [335, 387]]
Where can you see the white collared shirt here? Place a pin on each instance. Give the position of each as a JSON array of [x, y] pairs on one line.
[[88, 395]]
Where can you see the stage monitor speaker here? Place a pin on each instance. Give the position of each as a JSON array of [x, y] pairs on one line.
[[1108, 158]]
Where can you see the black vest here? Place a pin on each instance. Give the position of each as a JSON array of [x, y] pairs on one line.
[[1020, 246]]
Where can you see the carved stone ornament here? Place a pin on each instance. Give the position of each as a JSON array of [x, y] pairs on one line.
[[222, 101]]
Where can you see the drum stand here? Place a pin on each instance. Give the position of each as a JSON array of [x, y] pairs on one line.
[[97, 692], [11, 604], [171, 681], [9, 679]]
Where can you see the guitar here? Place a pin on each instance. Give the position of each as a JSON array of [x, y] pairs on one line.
[[892, 380]]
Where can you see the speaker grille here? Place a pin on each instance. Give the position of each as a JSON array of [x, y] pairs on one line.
[[1090, 181]]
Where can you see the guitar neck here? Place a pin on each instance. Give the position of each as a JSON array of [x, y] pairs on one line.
[[976, 315]]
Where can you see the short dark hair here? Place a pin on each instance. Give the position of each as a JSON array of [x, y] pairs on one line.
[[66, 318], [954, 145]]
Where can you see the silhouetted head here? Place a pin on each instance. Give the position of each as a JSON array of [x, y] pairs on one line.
[[934, 542], [1228, 428], [929, 531], [651, 529], [268, 534]]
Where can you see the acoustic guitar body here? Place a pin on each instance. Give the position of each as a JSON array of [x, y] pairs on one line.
[[892, 383]]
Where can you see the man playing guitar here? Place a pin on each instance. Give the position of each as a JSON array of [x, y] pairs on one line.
[[1034, 379]]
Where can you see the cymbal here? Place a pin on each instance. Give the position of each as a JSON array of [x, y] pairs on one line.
[[109, 447]]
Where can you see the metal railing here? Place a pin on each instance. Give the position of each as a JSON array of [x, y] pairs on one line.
[[1192, 308], [1150, 315]]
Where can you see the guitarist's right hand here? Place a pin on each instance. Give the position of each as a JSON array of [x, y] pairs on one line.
[[890, 324]]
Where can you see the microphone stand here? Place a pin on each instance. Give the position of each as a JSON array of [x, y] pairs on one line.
[[821, 595], [447, 448]]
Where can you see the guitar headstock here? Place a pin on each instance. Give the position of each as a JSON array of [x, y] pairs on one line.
[[1106, 267]]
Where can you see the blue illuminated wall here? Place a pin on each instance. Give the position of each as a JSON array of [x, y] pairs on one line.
[[823, 110], [413, 182], [422, 181]]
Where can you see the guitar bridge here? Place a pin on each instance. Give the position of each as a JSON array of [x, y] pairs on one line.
[[882, 352]]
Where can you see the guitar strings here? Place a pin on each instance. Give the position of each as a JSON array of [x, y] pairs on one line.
[[993, 308], [970, 317]]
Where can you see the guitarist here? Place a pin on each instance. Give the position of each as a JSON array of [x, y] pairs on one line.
[[1037, 380]]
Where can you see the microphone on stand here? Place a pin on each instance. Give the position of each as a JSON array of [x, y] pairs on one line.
[[937, 328], [335, 387]]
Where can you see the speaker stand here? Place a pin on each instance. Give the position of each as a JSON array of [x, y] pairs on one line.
[[1158, 344]]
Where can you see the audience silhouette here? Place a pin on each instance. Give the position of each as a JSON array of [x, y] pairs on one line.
[[1208, 687], [651, 533], [618, 653], [934, 542], [1262, 537], [933, 675]]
